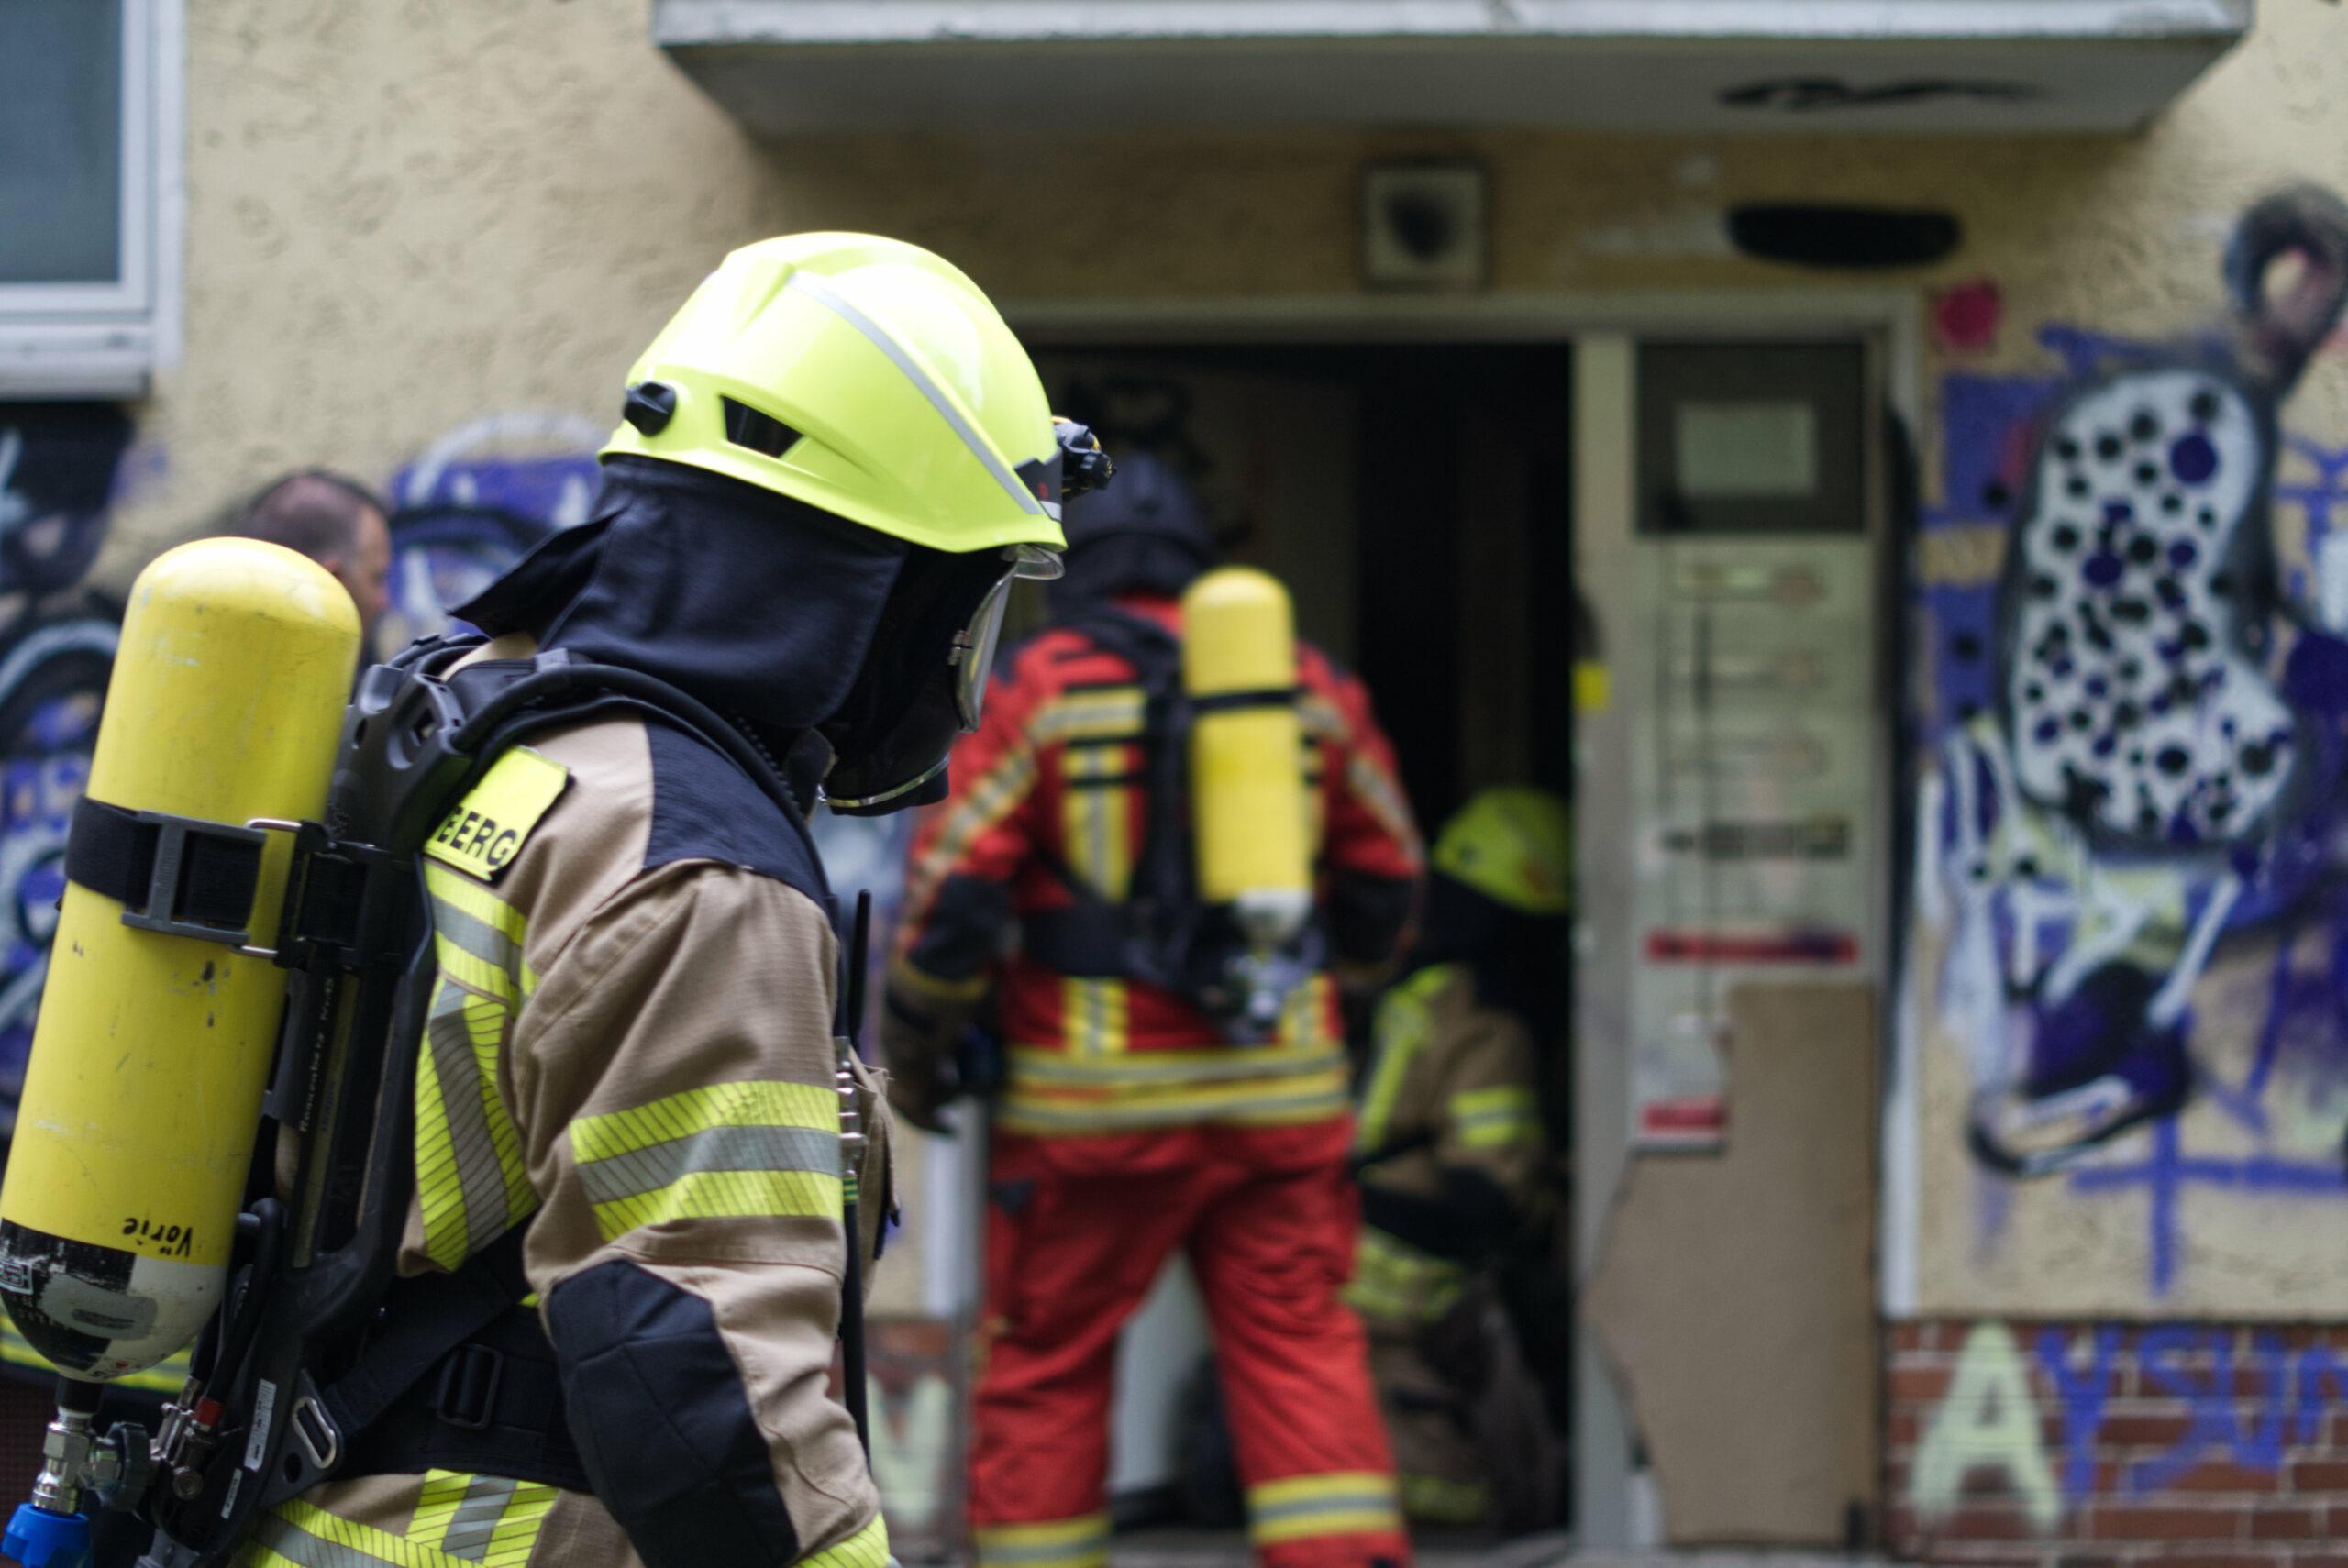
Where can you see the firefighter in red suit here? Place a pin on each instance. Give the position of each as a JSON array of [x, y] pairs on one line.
[[1125, 1126]]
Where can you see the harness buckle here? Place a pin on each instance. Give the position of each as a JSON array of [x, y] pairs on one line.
[[467, 1394]]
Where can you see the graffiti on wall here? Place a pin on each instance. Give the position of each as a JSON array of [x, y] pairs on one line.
[[473, 502], [58, 464], [2055, 1418], [2131, 823]]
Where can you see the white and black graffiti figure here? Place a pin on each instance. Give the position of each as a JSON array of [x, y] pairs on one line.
[[2134, 656], [2144, 718]]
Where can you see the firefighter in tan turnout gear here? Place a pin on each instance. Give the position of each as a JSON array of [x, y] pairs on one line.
[[835, 459], [1451, 1150]]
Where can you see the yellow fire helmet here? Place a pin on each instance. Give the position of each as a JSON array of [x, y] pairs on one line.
[[1514, 845], [862, 376]]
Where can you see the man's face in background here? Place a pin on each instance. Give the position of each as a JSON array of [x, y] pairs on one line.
[[367, 570]]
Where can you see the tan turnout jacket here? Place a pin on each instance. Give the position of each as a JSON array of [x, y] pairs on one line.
[[631, 1047]]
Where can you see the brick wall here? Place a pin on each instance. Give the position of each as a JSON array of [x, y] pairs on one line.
[[2104, 1445]]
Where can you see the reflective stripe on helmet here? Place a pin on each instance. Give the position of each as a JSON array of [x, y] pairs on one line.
[[808, 284]]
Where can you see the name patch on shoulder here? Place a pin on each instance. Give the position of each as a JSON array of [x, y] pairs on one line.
[[489, 825]]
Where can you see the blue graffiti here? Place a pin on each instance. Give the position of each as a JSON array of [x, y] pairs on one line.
[[2245, 1410], [40, 781], [540, 466], [1993, 427], [443, 555], [473, 503], [59, 464]]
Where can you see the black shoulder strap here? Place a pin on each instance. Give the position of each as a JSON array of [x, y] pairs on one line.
[[424, 1318], [1144, 935], [1161, 874], [1156, 655]]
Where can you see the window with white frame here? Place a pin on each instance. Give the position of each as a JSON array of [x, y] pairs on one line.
[[90, 139]]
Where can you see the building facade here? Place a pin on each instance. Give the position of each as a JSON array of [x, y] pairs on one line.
[[420, 242]]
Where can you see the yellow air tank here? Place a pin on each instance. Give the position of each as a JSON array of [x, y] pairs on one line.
[[142, 1099], [1247, 806]]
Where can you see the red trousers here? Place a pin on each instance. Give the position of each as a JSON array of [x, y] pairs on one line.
[[1074, 1243]]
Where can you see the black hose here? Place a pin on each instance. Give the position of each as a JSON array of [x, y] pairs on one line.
[[269, 1233], [853, 1388]]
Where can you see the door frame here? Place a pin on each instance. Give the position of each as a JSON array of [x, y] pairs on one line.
[[1604, 330]]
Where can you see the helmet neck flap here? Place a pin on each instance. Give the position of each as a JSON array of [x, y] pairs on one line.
[[783, 617]]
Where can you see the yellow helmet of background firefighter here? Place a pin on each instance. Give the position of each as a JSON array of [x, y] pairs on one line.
[[863, 376], [1514, 845]]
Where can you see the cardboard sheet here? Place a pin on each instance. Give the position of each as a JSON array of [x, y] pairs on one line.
[[1736, 1291]]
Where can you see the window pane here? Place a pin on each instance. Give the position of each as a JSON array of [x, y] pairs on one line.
[[61, 141]]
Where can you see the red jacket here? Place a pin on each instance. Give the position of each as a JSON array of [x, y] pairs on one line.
[[1053, 776]]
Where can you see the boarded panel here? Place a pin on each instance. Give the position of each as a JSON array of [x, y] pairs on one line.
[[1735, 1292]]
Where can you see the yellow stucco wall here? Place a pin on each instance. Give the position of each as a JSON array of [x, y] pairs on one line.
[[406, 215]]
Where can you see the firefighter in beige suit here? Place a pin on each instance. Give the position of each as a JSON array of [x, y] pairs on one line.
[[836, 460], [1449, 1141]]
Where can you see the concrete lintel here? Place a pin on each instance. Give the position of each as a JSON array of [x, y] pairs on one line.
[[685, 23]]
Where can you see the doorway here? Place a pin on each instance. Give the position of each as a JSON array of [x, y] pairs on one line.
[[1435, 480]]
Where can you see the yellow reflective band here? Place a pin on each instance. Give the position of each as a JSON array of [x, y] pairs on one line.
[[1377, 790], [1439, 1501], [1495, 1118], [1096, 819], [991, 800], [487, 829], [1218, 1064], [479, 936], [1593, 686], [752, 1103], [1304, 1507], [868, 1548], [1324, 1102], [1046, 1108], [1398, 1035], [485, 1519], [436, 1504], [1304, 1016], [471, 1179], [1398, 1283], [304, 1536], [725, 1195], [1482, 1137], [1505, 1100], [1108, 713], [750, 1150], [515, 1534], [1082, 1542], [1094, 1014]]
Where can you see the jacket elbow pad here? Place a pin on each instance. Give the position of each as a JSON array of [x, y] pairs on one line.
[[662, 1422]]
